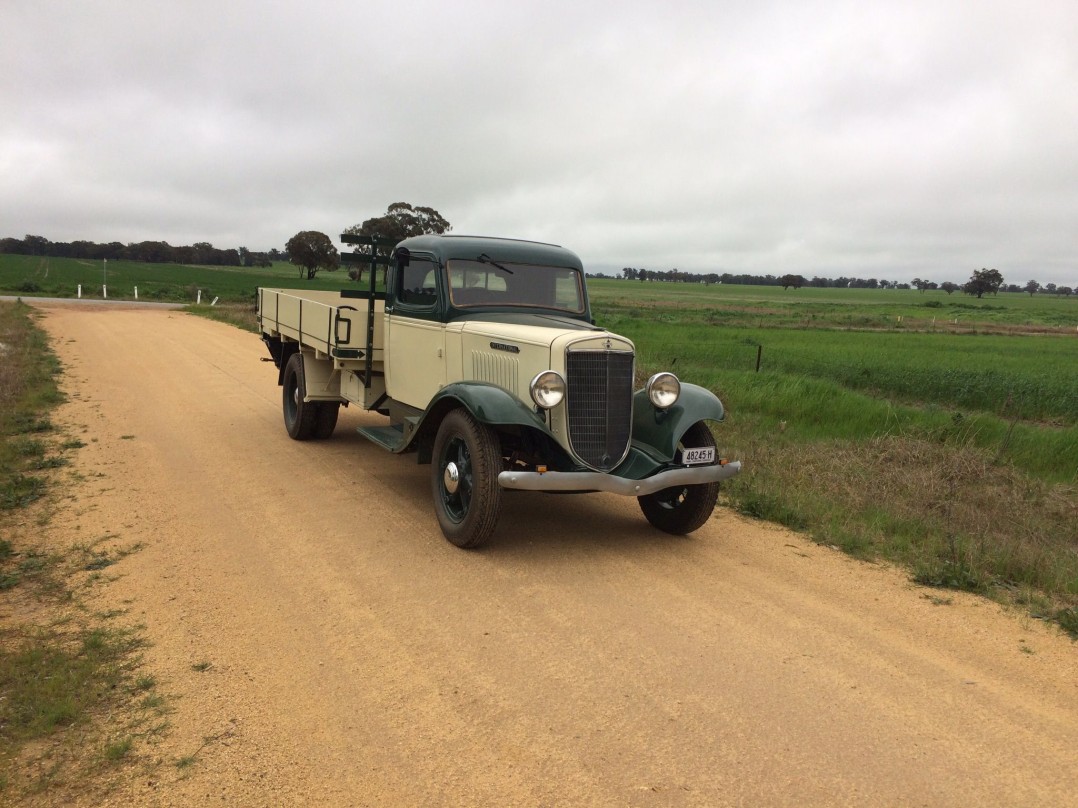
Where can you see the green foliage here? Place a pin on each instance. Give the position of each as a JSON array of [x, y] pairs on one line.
[[53, 681], [27, 384], [313, 251], [983, 281], [402, 220]]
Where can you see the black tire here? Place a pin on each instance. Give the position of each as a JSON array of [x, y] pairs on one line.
[[300, 417], [326, 418], [464, 479], [683, 509]]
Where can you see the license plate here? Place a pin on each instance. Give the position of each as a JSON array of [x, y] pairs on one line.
[[696, 457]]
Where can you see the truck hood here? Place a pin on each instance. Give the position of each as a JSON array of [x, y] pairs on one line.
[[529, 329], [526, 318]]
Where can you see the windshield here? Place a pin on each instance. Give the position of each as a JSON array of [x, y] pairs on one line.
[[490, 283]]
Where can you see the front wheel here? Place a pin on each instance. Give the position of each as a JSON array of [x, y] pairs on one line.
[[464, 479], [682, 509]]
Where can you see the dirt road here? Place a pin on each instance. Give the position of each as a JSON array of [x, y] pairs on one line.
[[356, 658]]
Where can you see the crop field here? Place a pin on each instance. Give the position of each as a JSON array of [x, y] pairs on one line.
[[936, 431], [890, 309], [60, 277]]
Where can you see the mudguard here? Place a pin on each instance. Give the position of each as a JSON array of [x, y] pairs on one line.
[[487, 403], [656, 432], [490, 404]]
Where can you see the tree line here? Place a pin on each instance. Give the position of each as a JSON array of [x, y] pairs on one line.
[[150, 252], [980, 283], [312, 251]]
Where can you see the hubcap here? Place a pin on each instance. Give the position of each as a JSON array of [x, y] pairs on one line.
[[456, 482], [451, 477]]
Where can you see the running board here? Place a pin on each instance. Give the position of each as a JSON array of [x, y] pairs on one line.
[[388, 437], [394, 437]]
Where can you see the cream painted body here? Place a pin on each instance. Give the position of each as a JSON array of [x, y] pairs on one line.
[[413, 359]]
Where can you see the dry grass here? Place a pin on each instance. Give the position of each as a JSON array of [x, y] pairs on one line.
[[241, 315], [948, 512]]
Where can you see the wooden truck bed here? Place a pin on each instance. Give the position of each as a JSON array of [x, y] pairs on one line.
[[333, 324]]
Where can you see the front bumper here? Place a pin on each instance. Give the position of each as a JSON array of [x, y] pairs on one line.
[[597, 481]]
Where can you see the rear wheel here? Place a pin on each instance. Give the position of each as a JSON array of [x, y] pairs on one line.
[[464, 479], [682, 509], [300, 417], [326, 418]]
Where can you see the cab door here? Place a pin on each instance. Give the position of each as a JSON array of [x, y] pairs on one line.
[[415, 336]]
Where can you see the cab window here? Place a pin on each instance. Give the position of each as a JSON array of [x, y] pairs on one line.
[[418, 282]]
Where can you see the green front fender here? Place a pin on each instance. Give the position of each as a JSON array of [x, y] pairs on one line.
[[657, 432], [489, 404]]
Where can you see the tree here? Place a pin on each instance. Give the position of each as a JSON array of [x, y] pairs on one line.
[[36, 245], [983, 280], [949, 288], [796, 281], [402, 221], [1031, 287], [312, 251]]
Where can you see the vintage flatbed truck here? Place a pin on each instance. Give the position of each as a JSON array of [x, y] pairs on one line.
[[483, 355]]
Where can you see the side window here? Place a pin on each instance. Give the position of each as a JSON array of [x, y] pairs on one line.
[[418, 282]]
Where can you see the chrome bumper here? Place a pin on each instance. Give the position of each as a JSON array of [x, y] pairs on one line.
[[597, 481]]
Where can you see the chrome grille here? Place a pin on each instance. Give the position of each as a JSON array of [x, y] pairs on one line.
[[600, 405]]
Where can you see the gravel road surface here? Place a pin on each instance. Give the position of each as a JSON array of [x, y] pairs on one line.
[[355, 658]]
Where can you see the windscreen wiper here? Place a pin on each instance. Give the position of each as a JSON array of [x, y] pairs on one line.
[[483, 258]]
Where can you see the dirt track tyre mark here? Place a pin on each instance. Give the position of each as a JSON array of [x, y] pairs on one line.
[[685, 508], [464, 479], [300, 417]]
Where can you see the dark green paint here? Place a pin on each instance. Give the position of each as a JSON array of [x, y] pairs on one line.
[[658, 432]]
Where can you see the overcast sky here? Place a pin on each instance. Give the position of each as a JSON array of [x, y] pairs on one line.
[[871, 139]]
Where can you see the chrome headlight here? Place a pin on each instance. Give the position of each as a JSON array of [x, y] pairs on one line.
[[548, 389], [663, 390]]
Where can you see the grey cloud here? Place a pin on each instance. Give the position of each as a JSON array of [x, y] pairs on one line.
[[886, 140]]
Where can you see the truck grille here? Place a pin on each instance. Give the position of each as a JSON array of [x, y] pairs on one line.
[[600, 406]]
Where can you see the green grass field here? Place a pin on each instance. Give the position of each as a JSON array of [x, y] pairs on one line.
[[771, 306], [60, 277]]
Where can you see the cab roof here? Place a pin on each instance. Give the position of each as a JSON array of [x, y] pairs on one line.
[[508, 250]]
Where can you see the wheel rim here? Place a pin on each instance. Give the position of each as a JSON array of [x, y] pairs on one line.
[[456, 479], [672, 498], [292, 398]]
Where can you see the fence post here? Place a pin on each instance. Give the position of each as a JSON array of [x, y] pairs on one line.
[[759, 355]]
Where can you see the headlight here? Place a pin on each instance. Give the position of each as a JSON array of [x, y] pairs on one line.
[[548, 389], [663, 390]]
